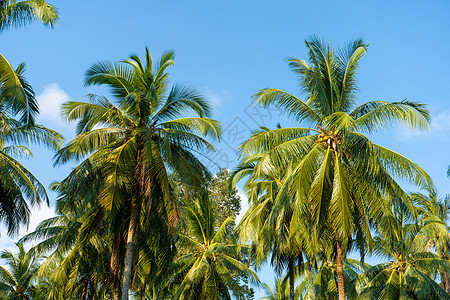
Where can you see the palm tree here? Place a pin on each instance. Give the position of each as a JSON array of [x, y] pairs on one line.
[[320, 282], [281, 291], [14, 91], [77, 241], [410, 273], [272, 231], [210, 267], [434, 231], [17, 184], [17, 280], [14, 14], [139, 138], [17, 99], [337, 172], [156, 249]]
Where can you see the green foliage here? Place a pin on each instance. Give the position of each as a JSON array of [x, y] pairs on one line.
[[137, 139], [410, 273], [16, 95], [140, 212], [211, 266], [226, 201], [18, 186], [14, 14], [76, 242], [17, 100], [17, 279], [281, 291], [333, 176]]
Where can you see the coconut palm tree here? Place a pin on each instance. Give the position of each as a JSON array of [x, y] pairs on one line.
[[281, 291], [15, 14], [337, 170], [434, 231], [320, 282], [18, 186], [75, 242], [410, 273], [78, 240], [271, 231], [17, 280], [14, 91], [139, 136], [210, 266], [17, 100], [156, 249]]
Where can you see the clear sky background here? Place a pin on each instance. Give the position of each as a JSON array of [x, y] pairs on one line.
[[231, 49]]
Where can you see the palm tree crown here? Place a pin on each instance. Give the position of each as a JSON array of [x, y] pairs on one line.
[[411, 271], [17, 280], [140, 137], [211, 267], [18, 186], [18, 109], [337, 174]]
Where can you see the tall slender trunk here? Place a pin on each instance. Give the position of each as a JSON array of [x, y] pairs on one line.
[[340, 271], [291, 278], [129, 251], [445, 278], [142, 189]]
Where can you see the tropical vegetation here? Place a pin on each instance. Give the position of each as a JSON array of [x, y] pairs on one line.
[[18, 109], [141, 216]]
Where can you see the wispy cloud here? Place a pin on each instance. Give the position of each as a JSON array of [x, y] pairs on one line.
[[213, 98], [50, 101], [441, 123]]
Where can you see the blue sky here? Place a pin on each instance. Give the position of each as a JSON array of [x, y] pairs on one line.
[[231, 49]]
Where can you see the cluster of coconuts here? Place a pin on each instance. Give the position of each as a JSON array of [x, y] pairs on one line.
[[323, 137], [399, 266]]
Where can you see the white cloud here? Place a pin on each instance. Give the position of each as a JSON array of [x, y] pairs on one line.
[[50, 101], [213, 99], [244, 205], [441, 123]]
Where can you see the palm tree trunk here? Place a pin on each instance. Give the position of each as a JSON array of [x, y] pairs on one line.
[[340, 271], [445, 281], [291, 278], [141, 189], [129, 251]]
